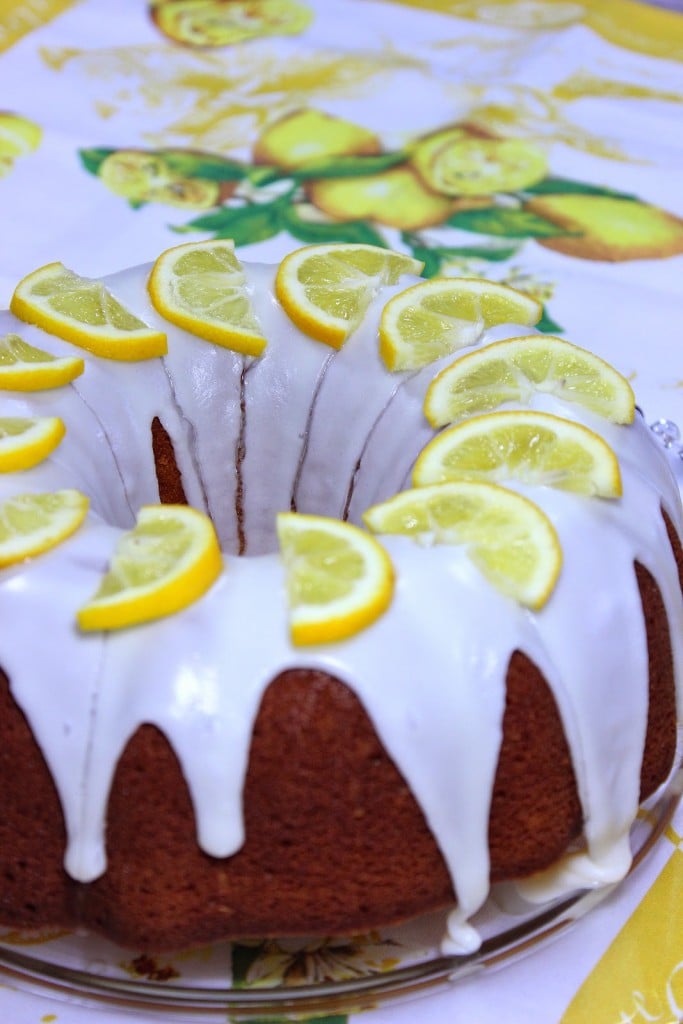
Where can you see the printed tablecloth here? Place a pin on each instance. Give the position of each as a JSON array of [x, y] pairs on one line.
[[535, 143]]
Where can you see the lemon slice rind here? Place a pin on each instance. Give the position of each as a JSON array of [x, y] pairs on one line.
[[436, 317], [509, 538], [339, 579], [24, 367], [345, 277], [532, 447], [178, 296], [45, 296], [31, 524], [515, 368], [165, 563], [27, 441]]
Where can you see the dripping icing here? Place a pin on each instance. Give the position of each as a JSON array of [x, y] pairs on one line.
[[204, 681]]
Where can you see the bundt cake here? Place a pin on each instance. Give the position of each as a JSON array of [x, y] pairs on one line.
[[200, 778]]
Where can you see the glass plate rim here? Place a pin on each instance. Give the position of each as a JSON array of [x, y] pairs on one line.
[[186, 1002]]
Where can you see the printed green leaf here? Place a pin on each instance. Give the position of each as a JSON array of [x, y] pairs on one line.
[[92, 159], [348, 166], [505, 222], [547, 325], [202, 165], [317, 232], [565, 186]]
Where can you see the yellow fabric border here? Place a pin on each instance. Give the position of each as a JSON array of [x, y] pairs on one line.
[[20, 17], [635, 26]]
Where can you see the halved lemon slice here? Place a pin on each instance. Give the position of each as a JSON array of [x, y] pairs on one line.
[[85, 313], [201, 287], [512, 370], [326, 289], [33, 523], [533, 447], [168, 560], [24, 367], [510, 539], [27, 440], [436, 317], [339, 578]]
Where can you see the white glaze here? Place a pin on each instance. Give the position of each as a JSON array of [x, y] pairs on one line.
[[431, 672]]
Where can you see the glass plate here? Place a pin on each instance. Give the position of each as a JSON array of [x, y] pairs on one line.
[[297, 977]]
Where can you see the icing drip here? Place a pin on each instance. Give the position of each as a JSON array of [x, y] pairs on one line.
[[430, 672]]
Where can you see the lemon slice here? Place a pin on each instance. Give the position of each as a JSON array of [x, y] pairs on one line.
[[201, 287], [168, 560], [326, 289], [438, 316], [33, 523], [508, 537], [85, 313], [26, 368], [533, 447], [512, 370], [339, 578], [26, 441]]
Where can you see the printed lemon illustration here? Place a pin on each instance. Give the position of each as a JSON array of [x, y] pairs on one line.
[[223, 22], [609, 228], [454, 163], [145, 177], [18, 137], [304, 136], [396, 198]]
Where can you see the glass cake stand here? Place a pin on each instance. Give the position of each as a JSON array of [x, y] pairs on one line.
[[297, 978]]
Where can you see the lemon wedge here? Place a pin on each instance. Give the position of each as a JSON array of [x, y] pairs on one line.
[[508, 537], [439, 316], [339, 578], [85, 313], [166, 562], [33, 523], [326, 289], [201, 287], [24, 367], [26, 441], [512, 370], [533, 447]]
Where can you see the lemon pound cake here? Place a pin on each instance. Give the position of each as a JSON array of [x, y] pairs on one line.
[[329, 597]]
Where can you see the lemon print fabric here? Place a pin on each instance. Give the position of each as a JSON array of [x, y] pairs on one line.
[[216, 23], [19, 136], [458, 195], [640, 976]]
